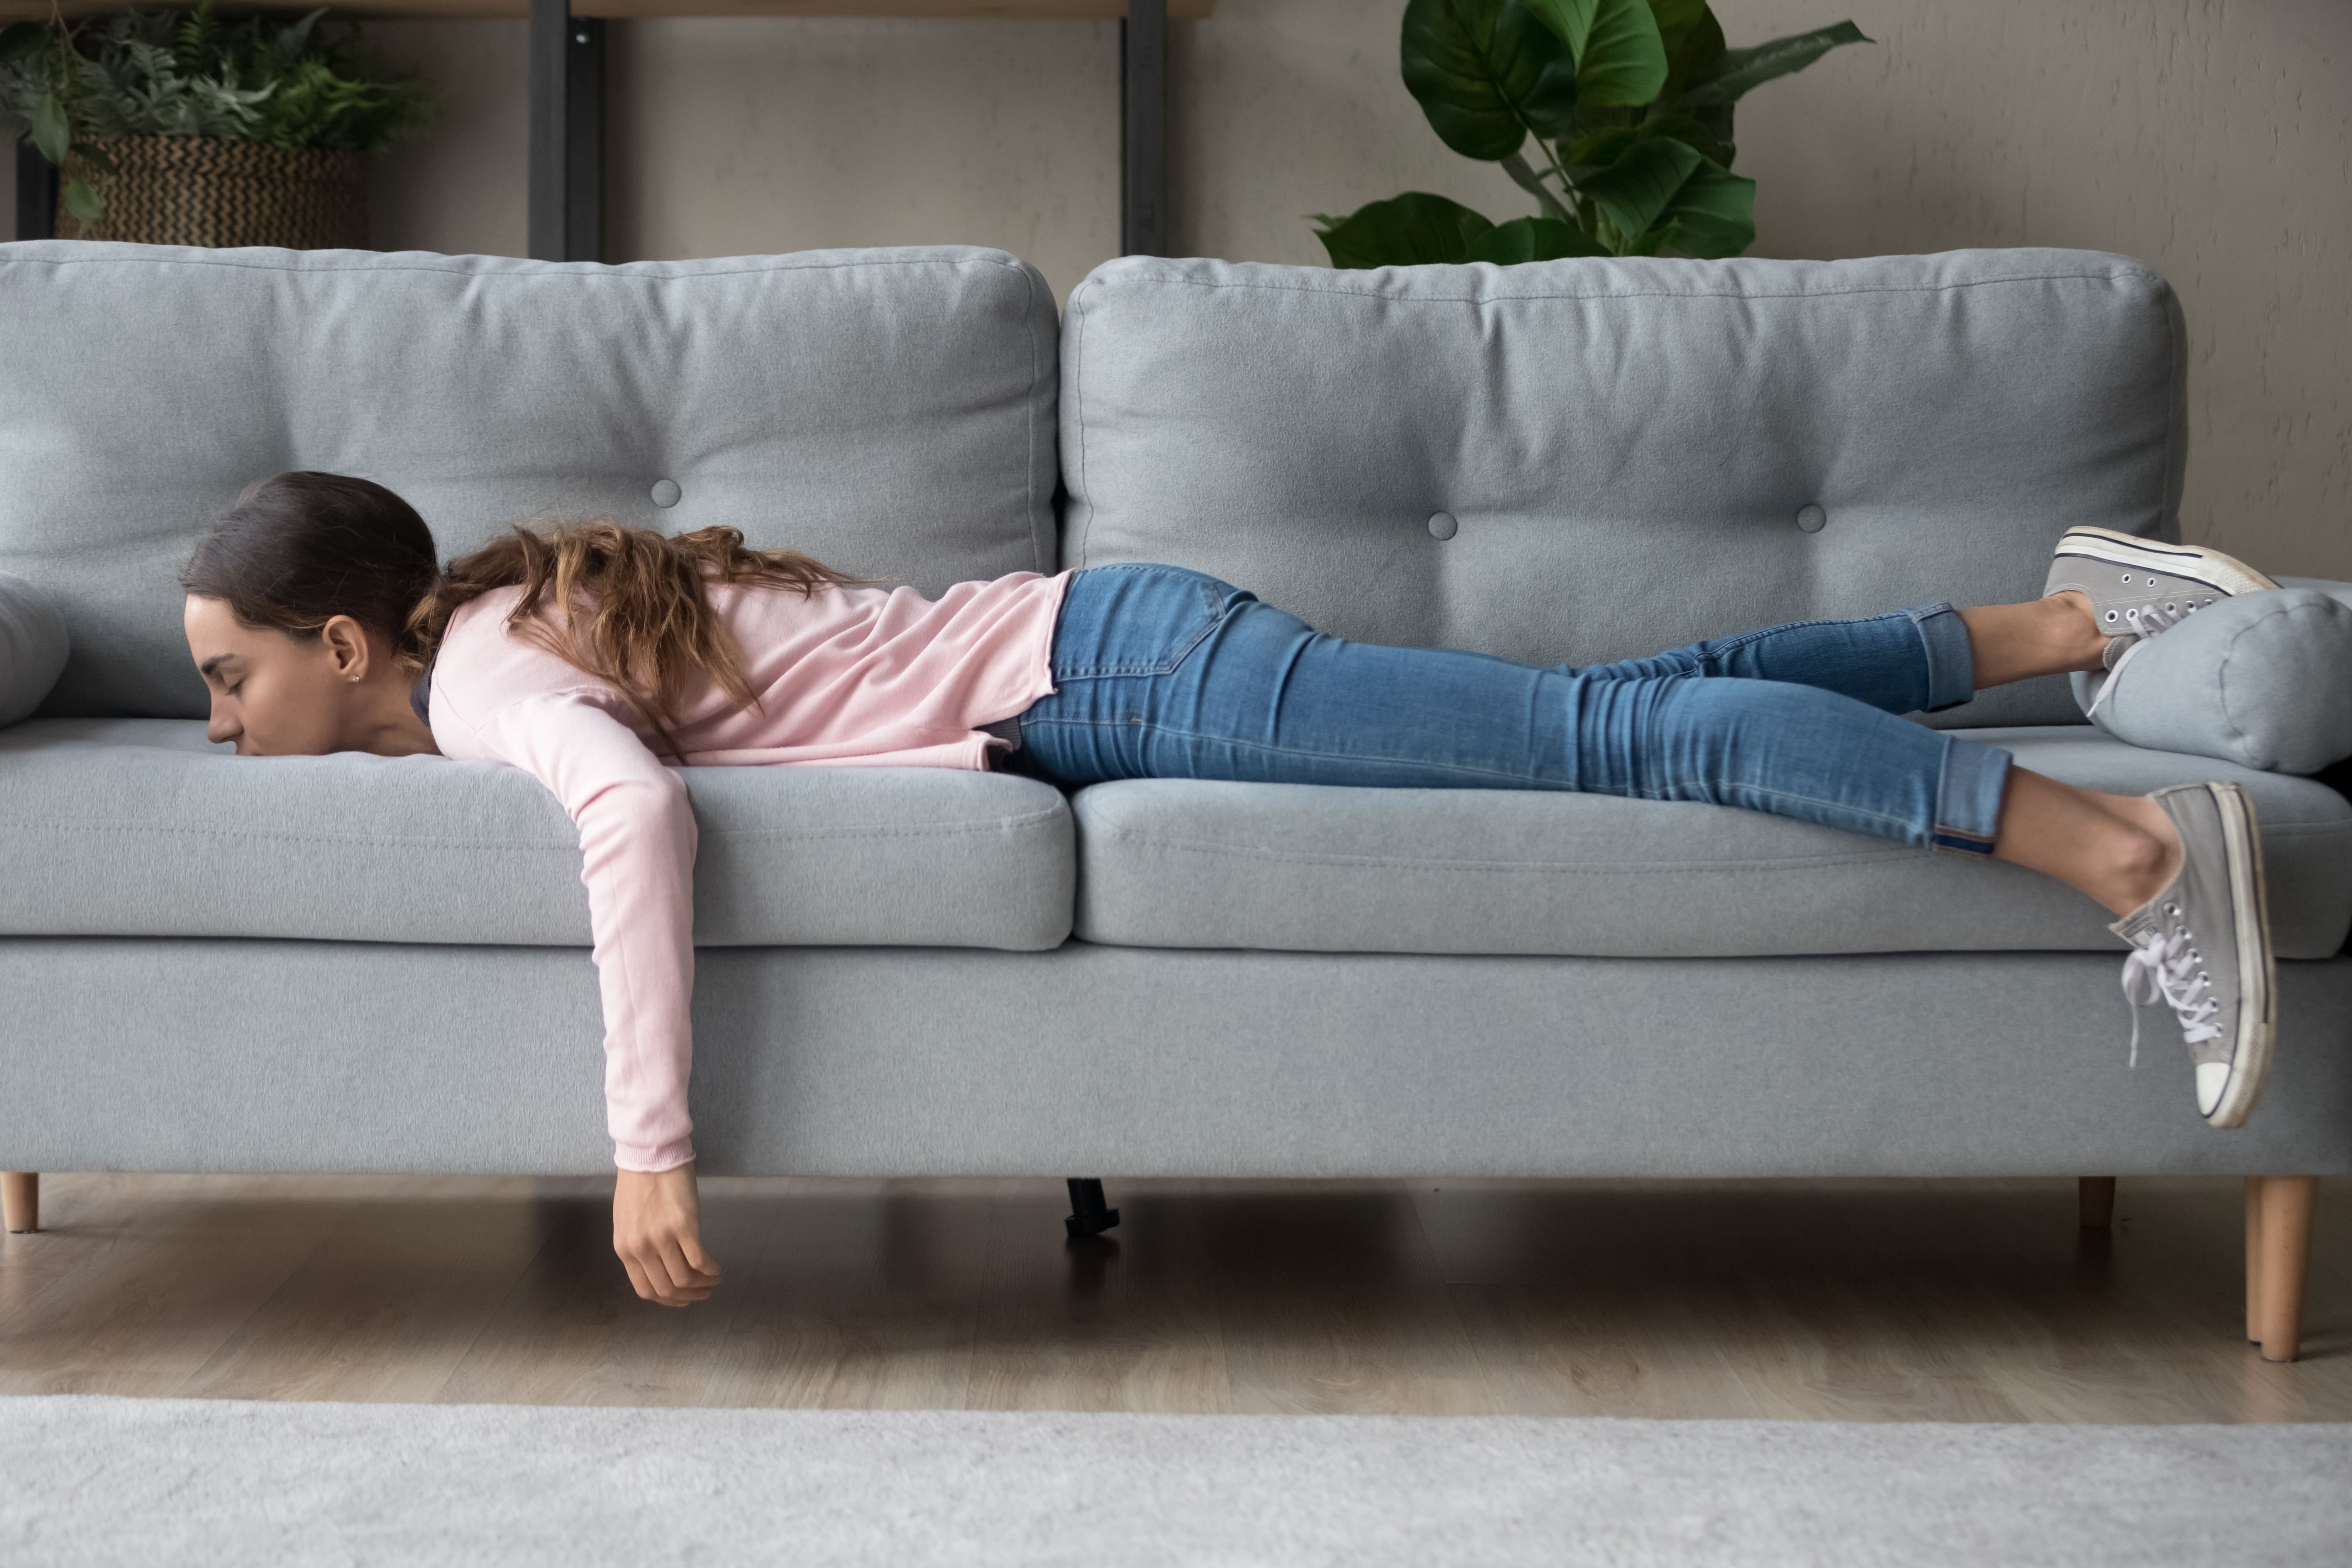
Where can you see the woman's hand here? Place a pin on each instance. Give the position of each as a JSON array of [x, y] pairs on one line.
[[658, 1231]]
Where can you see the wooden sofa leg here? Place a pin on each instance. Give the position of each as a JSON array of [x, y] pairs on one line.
[[20, 1200], [2095, 1200], [2278, 1248]]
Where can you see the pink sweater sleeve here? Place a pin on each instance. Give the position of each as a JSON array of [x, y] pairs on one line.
[[638, 844]]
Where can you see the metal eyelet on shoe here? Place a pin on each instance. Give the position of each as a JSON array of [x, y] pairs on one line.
[[2172, 909], [2171, 610], [2111, 615], [2127, 576]]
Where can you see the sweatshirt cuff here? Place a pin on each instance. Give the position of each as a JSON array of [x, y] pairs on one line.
[[652, 1159]]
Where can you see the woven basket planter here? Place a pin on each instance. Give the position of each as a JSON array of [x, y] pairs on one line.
[[191, 190]]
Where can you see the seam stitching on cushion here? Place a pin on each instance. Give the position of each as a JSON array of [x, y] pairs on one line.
[[2109, 277], [609, 274], [1894, 852], [1383, 862], [2172, 415], [1029, 409], [1070, 378], [568, 845]]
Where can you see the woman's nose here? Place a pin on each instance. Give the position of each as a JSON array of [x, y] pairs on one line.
[[221, 727]]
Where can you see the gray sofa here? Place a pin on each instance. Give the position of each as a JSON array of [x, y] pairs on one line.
[[352, 962]]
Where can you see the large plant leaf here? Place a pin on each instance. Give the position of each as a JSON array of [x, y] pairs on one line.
[[1736, 72], [1531, 239], [1620, 57], [1694, 54], [50, 134], [1410, 230], [1713, 214], [1486, 73], [1675, 19], [1599, 149], [80, 201], [1634, 191]]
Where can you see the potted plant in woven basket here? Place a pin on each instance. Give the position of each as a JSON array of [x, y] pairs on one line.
[[183, 128]]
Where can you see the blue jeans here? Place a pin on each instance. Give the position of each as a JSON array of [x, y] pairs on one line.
[[1165, 673]]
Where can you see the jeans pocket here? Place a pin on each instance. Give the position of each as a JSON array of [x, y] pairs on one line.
[[1137, 620]]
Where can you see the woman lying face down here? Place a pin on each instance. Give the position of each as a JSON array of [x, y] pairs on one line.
[[601, 658]]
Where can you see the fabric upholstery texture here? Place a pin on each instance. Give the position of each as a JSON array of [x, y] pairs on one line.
[[32, 648], [890, 412], [206, 1055], [1587, 460], [1184, 863], [2263, 680], [138, 827]]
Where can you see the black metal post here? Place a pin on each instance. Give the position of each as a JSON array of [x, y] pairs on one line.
[[1089, 1215], [37, 194], [567, 134], [1143, 129]]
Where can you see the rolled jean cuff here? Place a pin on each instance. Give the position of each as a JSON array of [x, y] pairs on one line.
[[1967, 796], [1951, 659]]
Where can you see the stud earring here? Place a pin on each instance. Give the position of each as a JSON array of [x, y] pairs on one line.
[[355, 680]]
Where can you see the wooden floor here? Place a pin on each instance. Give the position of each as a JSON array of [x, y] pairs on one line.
[[1954, 1300]]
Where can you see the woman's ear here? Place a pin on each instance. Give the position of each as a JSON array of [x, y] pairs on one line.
[[346, 645]]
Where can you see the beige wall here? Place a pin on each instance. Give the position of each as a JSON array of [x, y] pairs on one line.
[[2212, 137]]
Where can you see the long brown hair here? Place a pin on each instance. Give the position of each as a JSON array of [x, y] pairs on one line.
[[296, 551]]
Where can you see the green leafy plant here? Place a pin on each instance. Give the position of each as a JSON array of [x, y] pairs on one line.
[[71, 88], [1627, 105]]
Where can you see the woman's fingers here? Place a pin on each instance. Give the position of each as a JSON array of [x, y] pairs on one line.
[[690, 1242], [653, 1277], [637, 1280], [685, 1277]]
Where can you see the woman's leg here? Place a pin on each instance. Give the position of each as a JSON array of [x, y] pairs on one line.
[[1166, 673], [1163, 673], [1926, 658]]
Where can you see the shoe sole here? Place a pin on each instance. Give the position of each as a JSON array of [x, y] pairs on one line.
[[2225, 574], [2250, 1067]]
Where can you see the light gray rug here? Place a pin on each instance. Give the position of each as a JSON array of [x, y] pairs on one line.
[[96, 1480]]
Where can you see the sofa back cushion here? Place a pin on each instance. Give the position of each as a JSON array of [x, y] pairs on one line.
[[1577, 461], [890, 412]]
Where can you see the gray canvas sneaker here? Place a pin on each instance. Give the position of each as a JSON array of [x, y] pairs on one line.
[[2202, 946], [2138, 587]]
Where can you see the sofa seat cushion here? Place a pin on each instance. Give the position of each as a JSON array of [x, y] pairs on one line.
[[140, 828], [1180, 863]]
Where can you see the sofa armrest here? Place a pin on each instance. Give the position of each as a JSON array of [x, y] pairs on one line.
[[32, 648], [2263, 680]]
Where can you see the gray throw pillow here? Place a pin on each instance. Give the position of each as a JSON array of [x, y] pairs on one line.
[[2263, 680], [32, 648]]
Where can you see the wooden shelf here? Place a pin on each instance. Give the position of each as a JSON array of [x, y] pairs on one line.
[[458, 10]]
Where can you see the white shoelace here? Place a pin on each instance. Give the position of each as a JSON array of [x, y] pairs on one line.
[[2162, 968], [2146, 622]]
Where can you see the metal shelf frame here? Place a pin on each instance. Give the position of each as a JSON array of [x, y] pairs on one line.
[[566, 200]]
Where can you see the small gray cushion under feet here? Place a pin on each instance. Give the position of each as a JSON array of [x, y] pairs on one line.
[[1184, 863], [2263, 680], [137, 827], [32, 648]]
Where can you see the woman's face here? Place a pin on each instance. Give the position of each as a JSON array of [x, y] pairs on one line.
[[275, 695]]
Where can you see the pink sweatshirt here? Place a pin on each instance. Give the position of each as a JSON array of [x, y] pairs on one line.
[[860, 677]]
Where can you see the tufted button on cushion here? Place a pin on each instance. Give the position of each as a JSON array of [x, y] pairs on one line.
[[1811, 518], [666, 492], [1443, 526]]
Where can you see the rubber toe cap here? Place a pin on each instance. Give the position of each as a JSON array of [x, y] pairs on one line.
[[2212, 1078]]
